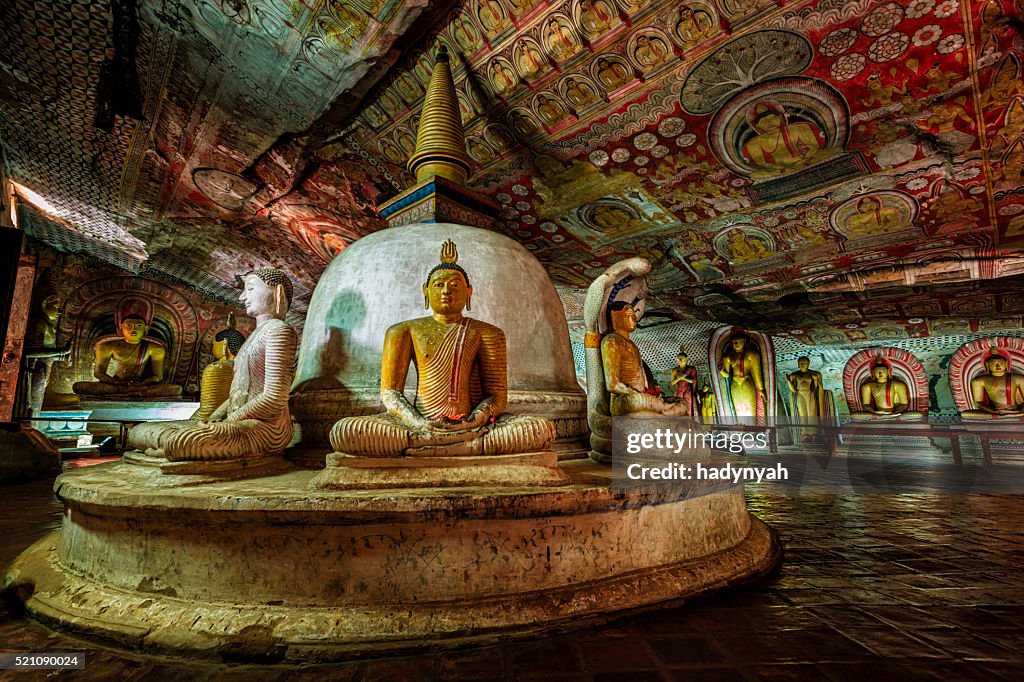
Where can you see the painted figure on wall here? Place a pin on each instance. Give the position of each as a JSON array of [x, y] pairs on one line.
[[596, 16], [529, 59], [502, 77], [129, 365], [491, 15], [254, 421], [461, 389], [560, 39], [650, 51], [999, 392], [465, 35], [740, 366], [579, 93], [743, 248], [550, 110], [873, 217], [684, 381], [693, 26], [612, 73], [523, 123], [779, 146]]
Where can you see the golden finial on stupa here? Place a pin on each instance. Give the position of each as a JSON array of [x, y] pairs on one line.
[[440, 141]]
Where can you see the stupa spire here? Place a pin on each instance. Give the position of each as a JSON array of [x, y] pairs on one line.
[[440, 141]]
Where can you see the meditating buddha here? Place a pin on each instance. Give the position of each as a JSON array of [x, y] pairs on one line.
[[461, 390], [884, 396], [129, 366], [215, 386], [998, 393], [624, 373], [254, 421]]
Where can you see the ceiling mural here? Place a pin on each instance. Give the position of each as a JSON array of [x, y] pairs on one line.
[[820, 168]]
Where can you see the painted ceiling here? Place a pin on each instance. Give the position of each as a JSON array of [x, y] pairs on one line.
[[833, 170]]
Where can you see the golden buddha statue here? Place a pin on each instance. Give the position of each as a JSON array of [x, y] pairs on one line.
[[137, 363], [624, 373], [708, 411], [999, 392], [41, 352], [684, 379], [807, 395], [215, 386], [461, 389], [741, 366], [254, 421], [884, 396]]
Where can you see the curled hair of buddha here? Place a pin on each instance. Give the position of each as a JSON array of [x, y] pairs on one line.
[[133, 316], [272, 277], [880, 361], [234, 338], [994, 353], [449, 261]]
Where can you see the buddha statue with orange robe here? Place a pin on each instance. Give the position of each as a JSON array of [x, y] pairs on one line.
[[461, 389]]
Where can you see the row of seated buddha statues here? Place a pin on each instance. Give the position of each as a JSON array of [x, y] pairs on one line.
[[254, 420], [130, 364]]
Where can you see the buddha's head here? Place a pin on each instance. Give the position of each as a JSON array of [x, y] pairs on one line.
[[803, 363], [623, 316], [766, 116], [266, 291], [51, 307], [997, 363], [133, 329], [682, 360], [739, 343], [227, 343], [880, 370], [447, 290]]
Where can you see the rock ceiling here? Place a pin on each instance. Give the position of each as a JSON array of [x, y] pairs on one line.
[[836, 170]]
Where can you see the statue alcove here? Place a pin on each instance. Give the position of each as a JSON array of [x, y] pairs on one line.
[[968, 363], [90, 312], [904, 367]]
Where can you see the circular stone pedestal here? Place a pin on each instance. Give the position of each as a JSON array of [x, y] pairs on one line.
[[266, 569]]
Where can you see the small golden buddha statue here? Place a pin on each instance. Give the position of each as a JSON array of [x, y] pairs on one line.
[[461, 392], [999, 392], [254, 421], [215, 386], [708, 411], [883, 396], [137, 363], [807, 395], [624, 373]]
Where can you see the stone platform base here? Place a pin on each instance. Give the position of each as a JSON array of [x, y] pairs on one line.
[[350, 472], [213, 470], [902, 438], [268, 570]]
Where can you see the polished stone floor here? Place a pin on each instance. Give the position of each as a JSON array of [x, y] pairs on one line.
[[873, 587]]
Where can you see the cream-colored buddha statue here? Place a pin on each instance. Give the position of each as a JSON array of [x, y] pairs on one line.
[[130, 366], [999, 392], [741, 366], [883, 396], [624, 373], [461, 389], [254, 421], [215, 386]]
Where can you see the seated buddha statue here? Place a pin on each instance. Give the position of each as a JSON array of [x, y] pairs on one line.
[[215, 386], [624, 375], [884, 396], [999, 392], [461, 389], [129, 366], [254, 421]]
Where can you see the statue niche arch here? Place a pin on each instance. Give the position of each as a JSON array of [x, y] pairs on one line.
[[903, 367], [90, 313]]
